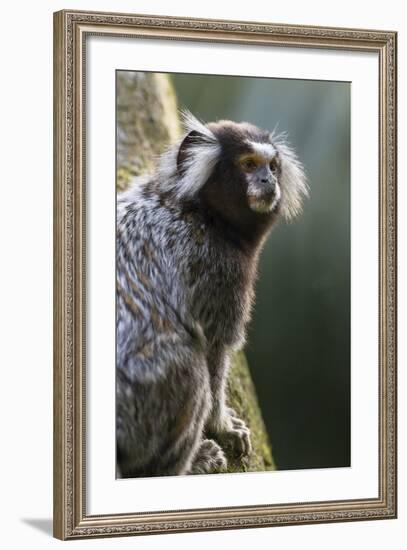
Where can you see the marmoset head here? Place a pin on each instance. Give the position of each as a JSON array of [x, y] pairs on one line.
[[238, 169]]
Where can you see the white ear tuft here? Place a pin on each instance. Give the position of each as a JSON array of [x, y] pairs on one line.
[[197, 168], [201, 156], [293, 179], [192, 124]]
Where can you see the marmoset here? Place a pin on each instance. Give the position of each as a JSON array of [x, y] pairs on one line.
[[188, 242]]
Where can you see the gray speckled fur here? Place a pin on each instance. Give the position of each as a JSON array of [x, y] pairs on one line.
[[184, 295]]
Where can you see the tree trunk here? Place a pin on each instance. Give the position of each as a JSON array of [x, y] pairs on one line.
[[147, 120]]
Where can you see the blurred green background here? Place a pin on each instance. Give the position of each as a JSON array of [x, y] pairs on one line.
[[299, 339]]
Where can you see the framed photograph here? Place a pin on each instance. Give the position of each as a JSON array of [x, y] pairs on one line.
[[225, 274]]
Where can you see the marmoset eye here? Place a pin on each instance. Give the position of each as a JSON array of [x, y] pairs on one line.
[[249, 165]]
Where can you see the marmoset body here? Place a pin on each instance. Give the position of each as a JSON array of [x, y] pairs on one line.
[[188, 242]]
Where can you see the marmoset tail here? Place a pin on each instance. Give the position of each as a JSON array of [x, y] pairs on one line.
[[188, 241]]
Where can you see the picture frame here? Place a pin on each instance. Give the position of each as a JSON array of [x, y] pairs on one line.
[[72, 30]]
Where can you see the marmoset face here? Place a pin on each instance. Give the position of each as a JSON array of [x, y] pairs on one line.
[[243, 173], [261, 169], [246, 178]]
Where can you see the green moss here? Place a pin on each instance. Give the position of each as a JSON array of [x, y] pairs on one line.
[[147, 120], [241, 396]]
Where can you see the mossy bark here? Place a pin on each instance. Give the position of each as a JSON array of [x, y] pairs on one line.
[[147, 121], [241, 395]]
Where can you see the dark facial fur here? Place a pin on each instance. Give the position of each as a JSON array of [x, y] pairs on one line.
[[188, 239], [226, 193]]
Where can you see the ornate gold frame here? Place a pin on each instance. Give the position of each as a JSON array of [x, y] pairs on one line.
[[70, 31]]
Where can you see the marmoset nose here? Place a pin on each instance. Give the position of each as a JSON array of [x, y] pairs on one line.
[[268, 186], [265, 178]]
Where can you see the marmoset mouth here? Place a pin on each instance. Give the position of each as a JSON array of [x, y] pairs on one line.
[[264, 203]]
